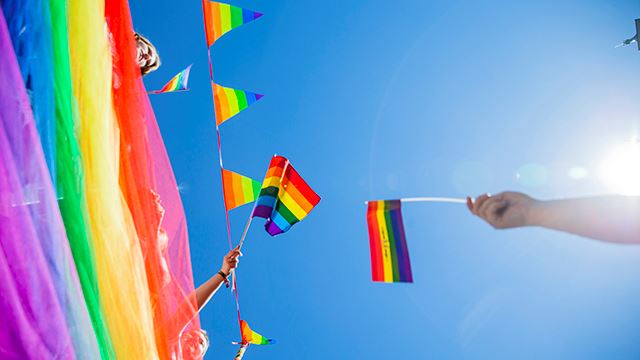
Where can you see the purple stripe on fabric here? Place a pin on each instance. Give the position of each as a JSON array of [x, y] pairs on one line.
[[404, 266], [272, 228], [262, 211]]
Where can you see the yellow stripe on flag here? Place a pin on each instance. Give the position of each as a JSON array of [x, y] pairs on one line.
[[291, 204], [225, 17], [385, 245], [233, 101]]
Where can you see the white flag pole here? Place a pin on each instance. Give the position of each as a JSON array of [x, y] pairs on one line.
[[433, 199]]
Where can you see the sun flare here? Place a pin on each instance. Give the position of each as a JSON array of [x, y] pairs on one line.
[[620, 169]]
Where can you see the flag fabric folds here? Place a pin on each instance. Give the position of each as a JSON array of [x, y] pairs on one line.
[[388, 243], [251, 337], [220, 18], [285, 198], [177, 83], [229, 102], [238, 189]]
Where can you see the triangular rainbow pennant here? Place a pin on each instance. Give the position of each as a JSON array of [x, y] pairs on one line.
[[251, 337], [228, 101], [177, 83], [220, 18], [238, 189]]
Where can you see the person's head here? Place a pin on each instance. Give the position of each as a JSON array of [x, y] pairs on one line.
[[148, 57]]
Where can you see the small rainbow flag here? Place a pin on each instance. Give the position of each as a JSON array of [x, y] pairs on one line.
[[238, 189], [177, 83], [285, 198], [251, 337], [220, 18], [229, 102], [388, 244]]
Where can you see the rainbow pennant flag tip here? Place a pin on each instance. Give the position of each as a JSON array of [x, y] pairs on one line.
[[251, 337], [228, 102], [220, 18], [388, 243], [238, 189], [177, 83]]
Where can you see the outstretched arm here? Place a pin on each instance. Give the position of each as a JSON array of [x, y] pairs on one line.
[[608, 218], [205, 291]]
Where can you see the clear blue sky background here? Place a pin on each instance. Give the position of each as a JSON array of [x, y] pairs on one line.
[[385, 99]]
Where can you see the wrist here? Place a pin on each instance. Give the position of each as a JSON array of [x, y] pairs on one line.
[[536, 213], [225, 277], [224, 272]]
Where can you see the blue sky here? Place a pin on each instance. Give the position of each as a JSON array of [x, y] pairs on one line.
[[385, 99]]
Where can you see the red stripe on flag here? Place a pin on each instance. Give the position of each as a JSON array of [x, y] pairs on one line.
[[304, 188], [377, 269]]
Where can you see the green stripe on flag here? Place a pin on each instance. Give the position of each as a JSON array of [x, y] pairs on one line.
[[242, 99], [236, 17]]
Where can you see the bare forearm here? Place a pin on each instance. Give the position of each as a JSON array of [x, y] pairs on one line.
[[607, 218], [205, 291]]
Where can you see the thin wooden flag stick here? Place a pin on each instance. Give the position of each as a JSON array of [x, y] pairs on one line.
[[246, 228]]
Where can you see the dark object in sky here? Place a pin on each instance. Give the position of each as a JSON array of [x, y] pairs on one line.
[[635, 38]]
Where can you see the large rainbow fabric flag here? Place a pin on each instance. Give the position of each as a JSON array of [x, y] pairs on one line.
[[42, 312], [177, 83], [285, 198], [220, 18], [101, 269], [238, 189], [229, 102], [388, 244], [251, 337]]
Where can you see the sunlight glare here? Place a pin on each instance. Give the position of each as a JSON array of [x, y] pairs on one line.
[[620, 170]]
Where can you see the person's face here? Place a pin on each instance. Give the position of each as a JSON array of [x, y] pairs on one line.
[[147, 56]]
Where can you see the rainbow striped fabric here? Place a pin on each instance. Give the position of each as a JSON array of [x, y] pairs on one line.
[[177, 83], [389, 252], [285, 198], [251, 337], [220, 18], [229, 102], [238, 189]]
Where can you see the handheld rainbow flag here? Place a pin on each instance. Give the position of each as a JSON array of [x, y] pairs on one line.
[[229, 102], [220, 18], [285, 198], [388, 243], [251, 337], [238, 189], [177, 83]]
